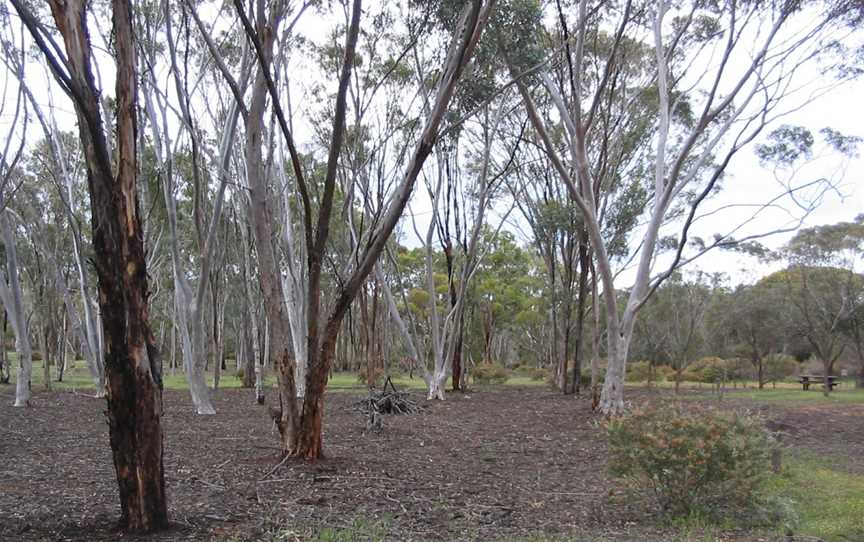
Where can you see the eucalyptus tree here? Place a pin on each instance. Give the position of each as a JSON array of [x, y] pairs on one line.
[[12, 296], [757, 318], [10, 179], [489, 160], [132, 360], [555, 229], [824, 288], [57, 159], [301, 428], [718, 76], [157, 26], [677, 313]]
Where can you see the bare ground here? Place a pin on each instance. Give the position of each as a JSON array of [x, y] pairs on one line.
[[499, 464]]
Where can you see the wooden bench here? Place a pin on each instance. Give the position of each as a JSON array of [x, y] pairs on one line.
[[806, 380]]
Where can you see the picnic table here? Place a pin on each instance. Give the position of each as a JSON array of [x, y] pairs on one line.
[[831, 381]]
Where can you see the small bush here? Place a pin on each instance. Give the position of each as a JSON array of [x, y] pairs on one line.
[[778, 367], [585, 376], [665, 373], [377, 375], [536, 374], [489, 373], [693, 462], [642, 371], [710, 370]]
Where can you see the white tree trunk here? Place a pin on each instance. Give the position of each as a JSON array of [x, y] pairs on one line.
[[189, 309], [12, 299], [91, 344]]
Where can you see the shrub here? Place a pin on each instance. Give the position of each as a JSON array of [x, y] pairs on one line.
[[693, 461], [738, 369], [377, 375], [642, 371], [539, 374], [665, 373], [710, 370], [585, 376], [490, 373], [534, 373], [778, 367]]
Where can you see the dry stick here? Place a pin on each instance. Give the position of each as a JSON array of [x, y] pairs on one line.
[[274, 469]]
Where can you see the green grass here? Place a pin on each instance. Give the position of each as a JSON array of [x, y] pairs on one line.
[[829, 503], [78, 378], [360, 530], [798, 396], [785, 392]]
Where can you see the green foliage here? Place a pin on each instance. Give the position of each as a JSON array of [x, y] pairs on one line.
[[779, 367], [787, 144], [377, 375], [664, 373], [692, 460], [490, 373], [642, 371], [711, 370], [537, 374]]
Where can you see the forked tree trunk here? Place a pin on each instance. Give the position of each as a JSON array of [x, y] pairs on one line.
[[278, 336], [323, 342], [131, 358]]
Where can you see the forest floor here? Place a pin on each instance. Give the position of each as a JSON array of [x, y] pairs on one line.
[[504, 463]]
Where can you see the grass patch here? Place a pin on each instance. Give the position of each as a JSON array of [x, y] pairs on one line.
[[798, 396], [77, 377], [829, 503], [372, 531]]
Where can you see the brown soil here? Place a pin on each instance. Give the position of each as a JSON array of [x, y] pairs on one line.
[[491, 465]]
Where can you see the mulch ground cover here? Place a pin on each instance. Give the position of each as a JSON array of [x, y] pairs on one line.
[[498, 464]]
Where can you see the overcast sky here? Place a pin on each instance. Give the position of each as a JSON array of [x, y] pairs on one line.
[[746, 183]]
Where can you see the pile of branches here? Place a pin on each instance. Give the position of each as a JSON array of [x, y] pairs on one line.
[[386, 401]]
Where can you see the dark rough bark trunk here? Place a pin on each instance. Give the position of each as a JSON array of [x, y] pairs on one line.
[[828, 367], [584, 262], [309, 436], [321, 354], [131, 358], [46, 357], [249, 360], [760, 373], [456, 362]]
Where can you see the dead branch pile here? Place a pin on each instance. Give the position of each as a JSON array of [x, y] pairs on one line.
[[387, 401]]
